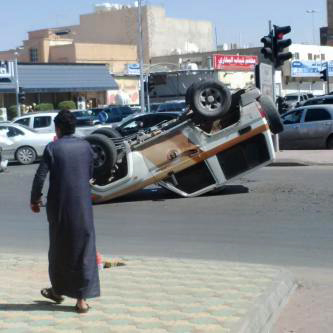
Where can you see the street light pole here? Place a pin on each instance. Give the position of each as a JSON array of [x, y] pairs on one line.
[[17, 87], [312, 12], [140, 45]]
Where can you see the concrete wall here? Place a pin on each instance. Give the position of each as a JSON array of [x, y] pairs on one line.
[[162, 35], [170, 35], [116, 56], [329, 7]]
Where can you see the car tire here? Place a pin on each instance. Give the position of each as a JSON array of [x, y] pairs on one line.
[[25, 155], [209, 100], [329, 143], [105, 153], [108, 132], [272, 114], [189, 92]]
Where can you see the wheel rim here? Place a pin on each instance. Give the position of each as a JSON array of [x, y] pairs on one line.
[[98, 155], [25, 155], [211, 99]]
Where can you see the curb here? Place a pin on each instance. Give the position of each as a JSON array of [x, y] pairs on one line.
[[265, 311], [295, 162]]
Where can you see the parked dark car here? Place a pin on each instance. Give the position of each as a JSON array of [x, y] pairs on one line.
[[83, 118], [172, 106], [138, 122], [111, 114], [325, 99], [144, 122], [308, 127]]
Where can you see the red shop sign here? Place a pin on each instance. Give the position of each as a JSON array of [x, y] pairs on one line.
[[234, 62]]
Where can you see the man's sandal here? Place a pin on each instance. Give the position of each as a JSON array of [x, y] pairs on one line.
[[49, 294], [82, 310]]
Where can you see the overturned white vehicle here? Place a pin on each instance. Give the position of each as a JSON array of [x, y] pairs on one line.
[[218, 138]]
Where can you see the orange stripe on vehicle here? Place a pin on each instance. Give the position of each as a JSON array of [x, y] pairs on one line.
[[186, 161]]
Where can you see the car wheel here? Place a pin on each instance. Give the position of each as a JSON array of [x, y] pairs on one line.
[[272, 114], [104, 152], [329, 143], [209, 100], [25, 155], [109, 132]]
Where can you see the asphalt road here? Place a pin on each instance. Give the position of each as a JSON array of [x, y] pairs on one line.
[[277, 215], [280, 216]]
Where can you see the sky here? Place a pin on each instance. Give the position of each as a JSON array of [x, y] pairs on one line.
[[239, 21]]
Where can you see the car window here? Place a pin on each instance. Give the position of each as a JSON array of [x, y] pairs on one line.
[[131, 124], [327, 101], [23, 121], [293, 117], [84, 113], [11, 131], [291, 98], [317, 115], [42, 121], [314, 101]]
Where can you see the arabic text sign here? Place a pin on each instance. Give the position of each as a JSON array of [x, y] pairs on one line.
[[234, 62], [6, 69], [310, 68]]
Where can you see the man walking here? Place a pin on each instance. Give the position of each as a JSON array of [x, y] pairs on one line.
[[72, 253]]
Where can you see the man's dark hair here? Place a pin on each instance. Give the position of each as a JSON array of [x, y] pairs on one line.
[[65, 121]]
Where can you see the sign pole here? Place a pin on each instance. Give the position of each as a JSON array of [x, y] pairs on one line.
[[140, 44]]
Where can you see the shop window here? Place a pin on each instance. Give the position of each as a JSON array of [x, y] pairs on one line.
[[33, 55]]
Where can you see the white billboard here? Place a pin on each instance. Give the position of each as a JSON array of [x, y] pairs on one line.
[[300, 68]]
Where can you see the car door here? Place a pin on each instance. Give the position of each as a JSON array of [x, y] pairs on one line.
[[43, 124], [290, 137], [315, 128]]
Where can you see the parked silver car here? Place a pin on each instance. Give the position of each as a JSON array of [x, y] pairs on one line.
[[23, 144], [308, 127]]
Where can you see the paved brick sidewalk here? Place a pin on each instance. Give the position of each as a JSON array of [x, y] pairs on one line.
[[147, 295]]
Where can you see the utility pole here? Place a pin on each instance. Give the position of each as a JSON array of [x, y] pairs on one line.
[[140, 45], [328, 78], [17, 87]]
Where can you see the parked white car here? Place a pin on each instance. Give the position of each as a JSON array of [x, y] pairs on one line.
[[43, 122], [217, 139], [23, 144]]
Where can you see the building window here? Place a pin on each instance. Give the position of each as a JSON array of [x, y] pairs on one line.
[[322, 56], [296, 56], [309, 56], [33, 55]]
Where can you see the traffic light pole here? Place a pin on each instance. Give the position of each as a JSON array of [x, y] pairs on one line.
[[275, 136], [17, 88]]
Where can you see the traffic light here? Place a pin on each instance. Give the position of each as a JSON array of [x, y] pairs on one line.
[[280, 44], [324, 74], [267, 50], [21, 95], [151, 83]]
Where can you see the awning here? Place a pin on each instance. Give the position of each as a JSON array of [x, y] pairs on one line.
[[44, 78]]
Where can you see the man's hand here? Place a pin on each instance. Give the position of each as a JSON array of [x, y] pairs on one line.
[[35, 207]]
